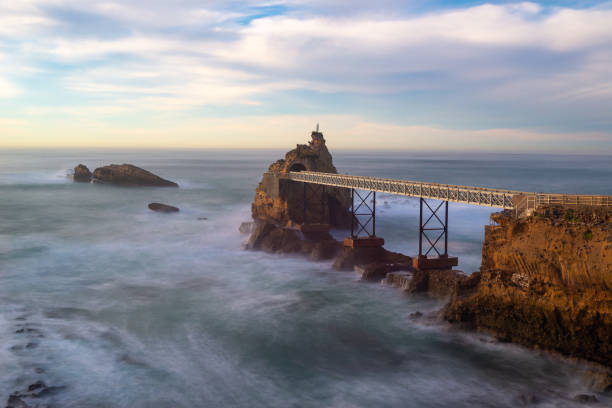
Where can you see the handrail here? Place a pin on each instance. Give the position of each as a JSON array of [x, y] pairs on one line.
[[523, 203]]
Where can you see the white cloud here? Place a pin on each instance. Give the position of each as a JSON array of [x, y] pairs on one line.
[[7, 89], [521, 56]]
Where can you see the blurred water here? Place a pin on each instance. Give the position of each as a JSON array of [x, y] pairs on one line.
[[139, 309]]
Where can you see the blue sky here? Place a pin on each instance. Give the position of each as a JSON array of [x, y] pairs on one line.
[[460, 75]]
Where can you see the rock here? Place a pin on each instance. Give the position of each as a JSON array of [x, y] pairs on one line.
[[528, 399], [436, 283], [82, 174], [281, 201], [37, 385], [14, 401], [202, 219], [598, 379], [351, 257], [542, 283], [246, 227], [415, 315], [585, 398], [129, 175], [165, 208]]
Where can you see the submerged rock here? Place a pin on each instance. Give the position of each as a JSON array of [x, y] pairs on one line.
[[82, 174], [586, 398], [129, 175], [165, 208], [247, 227]]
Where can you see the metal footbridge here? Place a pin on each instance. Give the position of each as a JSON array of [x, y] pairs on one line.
[[521, 201], [433, 215]]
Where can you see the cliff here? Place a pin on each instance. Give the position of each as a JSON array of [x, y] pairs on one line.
[[286, 206], [285, 223], [545, 281]]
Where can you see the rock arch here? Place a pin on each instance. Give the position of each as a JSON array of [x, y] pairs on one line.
[[297, 166]]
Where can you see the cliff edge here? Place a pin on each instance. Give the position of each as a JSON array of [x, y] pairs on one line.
[[545, 281]]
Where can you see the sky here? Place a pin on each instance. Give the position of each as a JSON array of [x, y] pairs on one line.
[[386, 74]]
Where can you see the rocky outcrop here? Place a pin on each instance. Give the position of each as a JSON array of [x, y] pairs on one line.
[[129, 175], [545, 281], [281, 201], [270, 238], [164, 208], [82, 174]]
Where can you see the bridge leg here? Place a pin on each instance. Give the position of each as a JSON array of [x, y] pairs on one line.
[[363, 221], [436, 223], [315, 223]]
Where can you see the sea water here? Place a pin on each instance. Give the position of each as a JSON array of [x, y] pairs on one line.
[[119, 306]]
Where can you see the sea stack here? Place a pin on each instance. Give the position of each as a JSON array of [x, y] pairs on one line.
[[129, 175], [281, 201], [82, 174]]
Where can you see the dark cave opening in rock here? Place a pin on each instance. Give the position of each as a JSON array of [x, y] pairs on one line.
[[297, 167]]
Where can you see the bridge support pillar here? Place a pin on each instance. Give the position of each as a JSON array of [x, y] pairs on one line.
[[433, 227], [363, 221]]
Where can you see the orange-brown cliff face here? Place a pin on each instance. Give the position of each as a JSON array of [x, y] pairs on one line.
[[281, 201], [545, 280]]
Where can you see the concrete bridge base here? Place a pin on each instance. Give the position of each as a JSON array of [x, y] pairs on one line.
[[440, 262], [364, 242]]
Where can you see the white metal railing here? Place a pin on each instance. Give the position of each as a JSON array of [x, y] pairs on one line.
[[523, 203]]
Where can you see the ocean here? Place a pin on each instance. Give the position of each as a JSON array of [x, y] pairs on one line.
[[114, 305]]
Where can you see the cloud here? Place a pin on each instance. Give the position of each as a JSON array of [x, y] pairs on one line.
[[7, 89], [493, 66]]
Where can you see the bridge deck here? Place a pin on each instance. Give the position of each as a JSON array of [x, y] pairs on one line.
[[520, 201]]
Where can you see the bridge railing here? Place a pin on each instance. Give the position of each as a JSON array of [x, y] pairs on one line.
[[523, 203], [461, 194], [527, 203]]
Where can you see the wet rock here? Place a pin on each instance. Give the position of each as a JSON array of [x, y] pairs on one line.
[[528, 399], [247, 227], [436, 283], [324, 250], [351, 257], [598, 379], [202, 219], [15, 401], [415, 315], [164, 208], [36, 386], [545, 282], [586, 398], [129, 175], [81, 174], [32, 332]]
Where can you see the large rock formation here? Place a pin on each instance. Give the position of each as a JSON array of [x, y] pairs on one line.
[[81, 174], [546, 281], [129, 175], [281, 201], [280, 212]]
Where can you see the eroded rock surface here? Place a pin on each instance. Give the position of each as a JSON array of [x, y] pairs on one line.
[[129, 175], [545, 280], [281, 201], [82, 174]]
